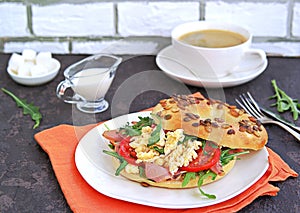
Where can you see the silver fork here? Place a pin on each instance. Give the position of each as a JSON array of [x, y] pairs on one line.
[[251, 107]]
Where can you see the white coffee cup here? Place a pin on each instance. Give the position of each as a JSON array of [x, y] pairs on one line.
[[212, 62]]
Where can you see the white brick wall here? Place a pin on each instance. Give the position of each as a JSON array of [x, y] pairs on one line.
[[279, 48], [116, 47], [96, 19], [140, 27], [154, 18], [296, 20], [263, 19], [13, 20], [55, 47]]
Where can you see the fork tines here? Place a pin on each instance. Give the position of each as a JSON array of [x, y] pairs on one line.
[[249, 105]]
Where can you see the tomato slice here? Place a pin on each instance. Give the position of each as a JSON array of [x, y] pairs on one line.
[[207, 157], [126, 151]]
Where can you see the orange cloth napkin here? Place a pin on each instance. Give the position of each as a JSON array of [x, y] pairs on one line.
[[60, 143]]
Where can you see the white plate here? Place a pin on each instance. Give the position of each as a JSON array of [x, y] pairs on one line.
[[170, 62], [96, 168]]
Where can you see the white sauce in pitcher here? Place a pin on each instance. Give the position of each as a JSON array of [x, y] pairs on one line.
[[92, 84]]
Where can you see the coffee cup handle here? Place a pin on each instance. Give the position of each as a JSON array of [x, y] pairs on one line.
[[254, 63], [258, 52], [60, 93]]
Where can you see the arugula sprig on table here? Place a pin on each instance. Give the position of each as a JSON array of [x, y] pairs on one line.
[[28, 109], [284, 102]]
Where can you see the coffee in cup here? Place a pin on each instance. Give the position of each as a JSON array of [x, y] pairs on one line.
[[213, 38], [212, 49]]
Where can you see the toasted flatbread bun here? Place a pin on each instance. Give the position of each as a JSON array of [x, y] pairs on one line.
[[172, 184], [211, 120]]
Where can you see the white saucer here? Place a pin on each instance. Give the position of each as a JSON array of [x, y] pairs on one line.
[[169, 61]]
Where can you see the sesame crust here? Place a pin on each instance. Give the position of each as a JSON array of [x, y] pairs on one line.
[[211, 120]]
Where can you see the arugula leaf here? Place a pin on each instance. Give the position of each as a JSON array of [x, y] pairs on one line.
[[142, 172], [121, 167], [130, 131], [226, 157], [187, 177], [28, 109], [123, 162], [202, 176], [111, 146], [155, 135], [114, 154], [187, 138], [210, 196], [106, 126], [200, 183], [285, 102], [135, 129], [159, 150]]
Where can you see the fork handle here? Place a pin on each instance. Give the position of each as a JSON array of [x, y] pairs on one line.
[[290, 130]]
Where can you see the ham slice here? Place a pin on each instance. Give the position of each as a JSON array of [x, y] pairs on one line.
[[113, 136], [217, 168], [156, 173]]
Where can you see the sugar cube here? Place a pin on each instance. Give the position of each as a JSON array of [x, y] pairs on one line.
[[29, 54], [15, 61], [45, 59], [24, 68], [42, 56], [38, 69]]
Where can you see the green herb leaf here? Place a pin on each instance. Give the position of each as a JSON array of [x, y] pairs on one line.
[[142, 172], [111, 146], [225, 157], [210, 196], [187, 178], [154, 138], [130, 131], [123, 162], [159, 150], [106, 126], [113, 154], [28, 109], [155, 135], [200, 183], [135, 129], [284, 102], [121, 167], [187, 138]]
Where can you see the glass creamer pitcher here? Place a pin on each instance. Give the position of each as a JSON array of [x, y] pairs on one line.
[[89, 79]]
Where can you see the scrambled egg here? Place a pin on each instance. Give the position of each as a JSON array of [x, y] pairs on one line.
[[132, 169], [172, 139], [176, 152], [139, 143]]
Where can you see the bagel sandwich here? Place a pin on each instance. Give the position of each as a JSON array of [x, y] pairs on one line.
[[188, 141]]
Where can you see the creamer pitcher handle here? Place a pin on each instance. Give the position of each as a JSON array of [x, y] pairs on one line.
[[60, 93]]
